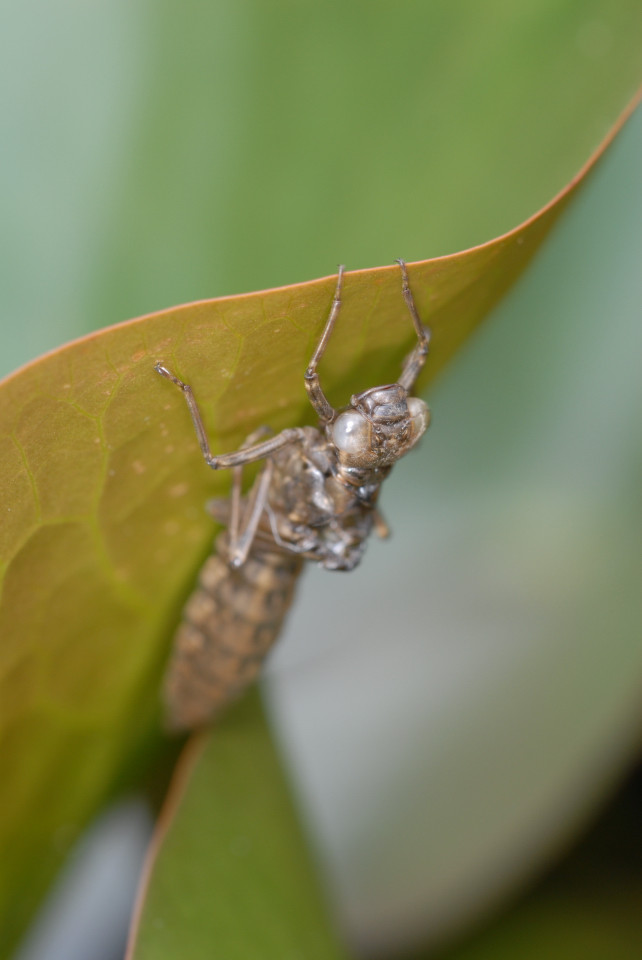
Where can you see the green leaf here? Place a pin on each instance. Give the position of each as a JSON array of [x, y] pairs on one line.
[[103, 526], [229, 874]]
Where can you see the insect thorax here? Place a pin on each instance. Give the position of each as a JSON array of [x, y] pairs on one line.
[[315, 513]]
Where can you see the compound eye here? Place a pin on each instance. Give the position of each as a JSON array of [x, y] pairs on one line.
[[419, 416], [351, 433]]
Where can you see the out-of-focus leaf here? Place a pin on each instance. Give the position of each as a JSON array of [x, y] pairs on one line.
[[229, 875], [604, 925], [588, 908], [102, 488]]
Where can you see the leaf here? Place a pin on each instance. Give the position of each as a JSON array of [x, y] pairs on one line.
[[103, 489], [229, 875]]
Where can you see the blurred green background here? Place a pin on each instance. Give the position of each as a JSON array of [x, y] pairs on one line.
[[454, 709]]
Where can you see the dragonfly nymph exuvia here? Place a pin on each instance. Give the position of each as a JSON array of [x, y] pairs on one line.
[[315, 498]]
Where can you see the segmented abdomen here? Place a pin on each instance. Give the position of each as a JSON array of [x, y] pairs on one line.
[[229, 624]]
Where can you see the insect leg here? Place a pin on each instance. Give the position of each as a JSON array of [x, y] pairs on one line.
[[237, 482], [246, 454], [318, 399], [240, 542], [414, 363]]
